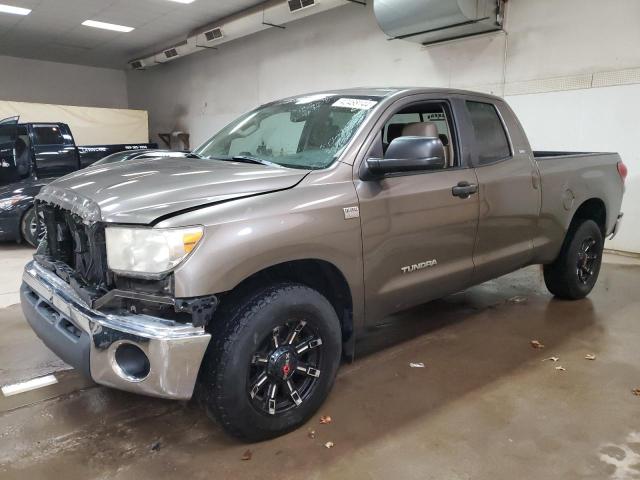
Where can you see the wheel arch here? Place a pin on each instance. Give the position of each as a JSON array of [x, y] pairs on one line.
[[591, 209], [321, 275]]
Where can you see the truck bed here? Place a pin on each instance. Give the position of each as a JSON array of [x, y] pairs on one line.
[[568, 179], [92, 153]]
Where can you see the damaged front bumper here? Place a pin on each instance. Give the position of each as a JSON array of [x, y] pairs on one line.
[[134, 352]]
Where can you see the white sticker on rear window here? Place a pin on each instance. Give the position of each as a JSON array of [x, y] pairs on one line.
[[354, 103]]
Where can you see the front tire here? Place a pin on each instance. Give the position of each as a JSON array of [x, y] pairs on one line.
[[29, 228], [272, 360], [575, 272]]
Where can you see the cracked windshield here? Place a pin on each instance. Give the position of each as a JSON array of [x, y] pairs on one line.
[[306, 132]]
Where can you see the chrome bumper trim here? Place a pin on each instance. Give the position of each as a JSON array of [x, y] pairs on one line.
[[175, 350]]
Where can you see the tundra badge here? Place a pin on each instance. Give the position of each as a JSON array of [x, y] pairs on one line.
[[419, 266], [351, 212]]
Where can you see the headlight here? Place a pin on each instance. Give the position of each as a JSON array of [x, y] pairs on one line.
[[149, 250], [8, 203]]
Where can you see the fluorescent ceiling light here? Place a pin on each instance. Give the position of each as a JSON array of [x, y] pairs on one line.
[[14, 10], [182, 1], [107, 26]]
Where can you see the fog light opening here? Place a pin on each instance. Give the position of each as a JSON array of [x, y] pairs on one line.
[[132, 362]]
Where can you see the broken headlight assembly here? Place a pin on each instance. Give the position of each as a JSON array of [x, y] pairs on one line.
[[149, 252]]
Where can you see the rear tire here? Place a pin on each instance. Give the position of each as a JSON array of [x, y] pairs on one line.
[[575, 272], [257, 387]]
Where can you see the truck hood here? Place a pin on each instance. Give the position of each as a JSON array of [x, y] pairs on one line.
[[141, 191]]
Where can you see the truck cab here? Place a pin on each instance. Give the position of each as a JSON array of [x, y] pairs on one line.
[[44, 150]]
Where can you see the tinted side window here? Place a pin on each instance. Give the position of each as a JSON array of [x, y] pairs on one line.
[[491, 139], [47, 135]]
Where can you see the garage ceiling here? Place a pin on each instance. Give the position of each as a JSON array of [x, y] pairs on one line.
[[53, 30]]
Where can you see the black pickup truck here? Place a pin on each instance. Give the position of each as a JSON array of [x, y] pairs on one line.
[[31, 156]]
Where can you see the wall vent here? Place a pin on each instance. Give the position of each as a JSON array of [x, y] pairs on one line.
[[172, 52], [297, 5], [215, 34]]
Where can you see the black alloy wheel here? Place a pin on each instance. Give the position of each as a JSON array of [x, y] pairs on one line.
[[272, 359], [29, 228], [574, 273], [587, 260], [285, 368]]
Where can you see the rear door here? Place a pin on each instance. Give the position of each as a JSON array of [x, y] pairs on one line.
[[54, 150], [509, 191], [418, 237], [8, 136]]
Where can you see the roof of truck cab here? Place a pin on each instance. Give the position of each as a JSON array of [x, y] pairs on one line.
[[384, 92]]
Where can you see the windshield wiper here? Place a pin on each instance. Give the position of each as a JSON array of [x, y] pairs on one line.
[[240, 158], [250, 159]]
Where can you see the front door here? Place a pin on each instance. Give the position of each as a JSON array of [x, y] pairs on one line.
[[54, 151], [8, 137], [418, 237]]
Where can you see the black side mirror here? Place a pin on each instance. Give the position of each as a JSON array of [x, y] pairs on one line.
[[407, 154]]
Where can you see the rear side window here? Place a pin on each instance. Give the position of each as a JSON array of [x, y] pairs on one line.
[[491, 139], [47, 135]]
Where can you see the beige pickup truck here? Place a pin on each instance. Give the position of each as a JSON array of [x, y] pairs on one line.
[[250, 267]]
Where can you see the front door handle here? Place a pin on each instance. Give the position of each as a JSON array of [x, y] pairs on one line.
[[464, 189]]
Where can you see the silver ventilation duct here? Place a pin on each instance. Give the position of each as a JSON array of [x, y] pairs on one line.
[[433, 21], [269, 14]]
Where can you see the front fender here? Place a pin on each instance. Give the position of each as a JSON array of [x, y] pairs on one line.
[[268, 230], [246, 236]]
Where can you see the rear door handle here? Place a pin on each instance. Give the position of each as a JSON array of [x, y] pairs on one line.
[[464, 189]]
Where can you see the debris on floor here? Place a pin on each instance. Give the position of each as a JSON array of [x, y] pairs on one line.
[[561, 368], [590, 356], [246, 455], [636, 392], [27, 386], [325, 419], [551, 359], [329, 445], [416, 365], [517, 299], [155, 446], [311, 434], [536, 344]]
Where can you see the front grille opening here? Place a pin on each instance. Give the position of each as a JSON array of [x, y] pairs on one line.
[[76, 249]]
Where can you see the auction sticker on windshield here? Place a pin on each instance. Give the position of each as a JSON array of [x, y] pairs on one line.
[[358, 103]]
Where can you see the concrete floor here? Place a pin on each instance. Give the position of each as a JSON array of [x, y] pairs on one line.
[[486, 405], [12, 260]]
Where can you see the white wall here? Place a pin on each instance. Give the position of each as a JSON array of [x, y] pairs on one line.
[[600, 120], [89, 125], [551, 48], [36, 81]]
